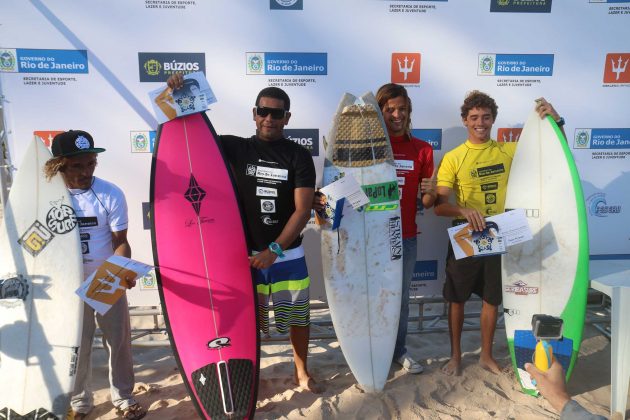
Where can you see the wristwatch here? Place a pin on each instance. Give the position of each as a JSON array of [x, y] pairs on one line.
[[276, 249], [560, 122]]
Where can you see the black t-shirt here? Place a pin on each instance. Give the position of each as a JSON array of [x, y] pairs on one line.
[[267, 173]]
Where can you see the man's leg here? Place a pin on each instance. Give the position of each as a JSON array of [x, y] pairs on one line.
[[401, 357], [488, 326], [116, 329], [299, 341], [82, 401], [455, 326]]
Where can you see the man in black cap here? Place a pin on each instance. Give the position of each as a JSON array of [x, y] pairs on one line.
[[102, 214]]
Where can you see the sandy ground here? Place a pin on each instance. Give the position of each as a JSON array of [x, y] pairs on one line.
[[476, 394]]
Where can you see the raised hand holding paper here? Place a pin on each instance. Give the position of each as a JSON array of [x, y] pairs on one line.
[[194, 96]]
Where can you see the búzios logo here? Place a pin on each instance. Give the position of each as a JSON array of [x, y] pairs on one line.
[[582, 139], [306, 137], [508, 135], [597, 206], [521, 6], [8, 62], [158, 66], [152, 67]]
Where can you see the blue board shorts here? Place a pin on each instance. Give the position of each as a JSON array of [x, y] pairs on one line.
[[287, 282]]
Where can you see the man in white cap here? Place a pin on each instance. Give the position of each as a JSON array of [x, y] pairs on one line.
[[102, 214]]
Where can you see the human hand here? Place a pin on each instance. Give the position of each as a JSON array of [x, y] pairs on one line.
[[544, 108], [429, 185], [319, 201], [175, 81], [475, 218], [263, 259], [551, 384]]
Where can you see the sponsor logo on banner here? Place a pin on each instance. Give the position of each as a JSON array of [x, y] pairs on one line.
[[142, 141], [8, 60], [616, 69], [21, 60], [267, 206], [425, 270], [406, 68], [433, 136], [307, 137], [395, 238], [286, 4], [508, 135], [519, 287], [598, 207], [46, 136], [158, 66], [521, 6], [286, 63], [148, 281], [269, 173], [490, 64], [602, 138]]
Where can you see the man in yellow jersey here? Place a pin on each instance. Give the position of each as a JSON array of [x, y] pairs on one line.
[[477, 173]]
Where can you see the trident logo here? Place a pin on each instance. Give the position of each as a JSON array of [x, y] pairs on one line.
[[617, 69], [408, 68]]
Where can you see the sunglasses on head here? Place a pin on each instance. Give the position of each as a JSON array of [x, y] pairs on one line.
[[276, 113]]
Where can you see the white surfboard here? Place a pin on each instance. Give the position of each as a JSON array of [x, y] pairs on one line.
[[40, 315], [549, 274], [362, 260]]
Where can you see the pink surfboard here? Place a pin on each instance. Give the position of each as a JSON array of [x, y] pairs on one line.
[[201, 258]]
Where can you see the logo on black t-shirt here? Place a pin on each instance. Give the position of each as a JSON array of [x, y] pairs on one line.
[[268, 206], [251, 170]]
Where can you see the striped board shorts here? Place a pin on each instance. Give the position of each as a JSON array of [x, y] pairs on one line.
[[287, 282]]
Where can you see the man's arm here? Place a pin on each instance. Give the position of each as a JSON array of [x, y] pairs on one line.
[[121, 247], [428, 190], [303, 202], [443, 207], [544, 108]]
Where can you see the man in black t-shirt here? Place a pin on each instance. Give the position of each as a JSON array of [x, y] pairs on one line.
[[275, 178]]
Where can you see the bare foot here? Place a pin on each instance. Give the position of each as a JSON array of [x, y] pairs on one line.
[[309, 384], [452, 367], [488, 363]]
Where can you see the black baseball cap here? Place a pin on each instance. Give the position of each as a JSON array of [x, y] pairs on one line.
[[73, 142]]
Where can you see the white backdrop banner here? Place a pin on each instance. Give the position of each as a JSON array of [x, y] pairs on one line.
[[89, 65]]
